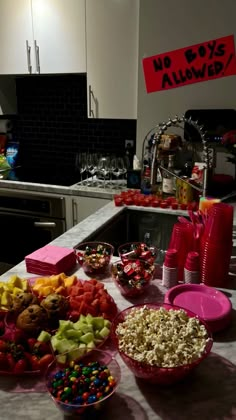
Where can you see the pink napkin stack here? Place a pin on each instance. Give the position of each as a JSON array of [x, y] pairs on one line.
[[50, 260]]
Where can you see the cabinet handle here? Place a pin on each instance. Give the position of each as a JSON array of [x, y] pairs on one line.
[[36, 47], [91, 113], [45, 225], [28, 51], [75, 212]]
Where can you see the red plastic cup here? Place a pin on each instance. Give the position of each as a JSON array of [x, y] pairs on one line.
[[171, 258], [118, 201], [192, 262]]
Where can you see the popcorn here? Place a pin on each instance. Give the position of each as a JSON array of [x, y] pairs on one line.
[[161, 337]]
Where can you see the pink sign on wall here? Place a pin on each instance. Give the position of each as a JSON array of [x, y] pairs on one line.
[[197, 63]]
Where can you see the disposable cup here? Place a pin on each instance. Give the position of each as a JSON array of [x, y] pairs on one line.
[[192, 262], [169, 276], [171, 258], [191, 277]]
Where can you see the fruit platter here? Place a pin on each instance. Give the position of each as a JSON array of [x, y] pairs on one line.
[[44, 317]]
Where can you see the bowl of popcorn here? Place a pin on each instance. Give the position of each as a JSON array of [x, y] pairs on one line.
[[160, 343], [81, 384], [94, 256], [132, 277], [137, 250]]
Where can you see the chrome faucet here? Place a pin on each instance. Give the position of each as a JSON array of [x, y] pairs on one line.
[[161, 128]]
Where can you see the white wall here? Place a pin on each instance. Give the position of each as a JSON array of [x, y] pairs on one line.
[[166, 25]]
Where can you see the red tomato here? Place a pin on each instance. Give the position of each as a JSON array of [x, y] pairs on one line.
[[20, 366], [45, 361]]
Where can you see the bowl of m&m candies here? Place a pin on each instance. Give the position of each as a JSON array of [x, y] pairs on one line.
[[132, 277], [94, 256], [81, 385]]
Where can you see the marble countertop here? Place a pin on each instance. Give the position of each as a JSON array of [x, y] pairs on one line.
[[75, 189], [207, 394]]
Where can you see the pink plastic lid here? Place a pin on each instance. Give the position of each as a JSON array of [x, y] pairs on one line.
[[208, 303]]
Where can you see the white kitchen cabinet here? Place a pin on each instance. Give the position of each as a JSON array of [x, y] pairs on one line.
[[41, 36], [83, 207], [15, 32], [112, 29], [59, 35]]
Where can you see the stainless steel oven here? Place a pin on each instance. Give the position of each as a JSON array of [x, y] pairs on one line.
[[27, 222]]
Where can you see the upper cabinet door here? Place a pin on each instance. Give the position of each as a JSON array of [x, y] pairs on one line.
[[112, 58], [59, 35], [16, 40]]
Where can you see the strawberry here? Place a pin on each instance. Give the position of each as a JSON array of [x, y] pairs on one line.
[[45, 361], [31, 342], [40, 348], [3, 345], [10, 362], [20, 366], [34, 362], [3, 361]]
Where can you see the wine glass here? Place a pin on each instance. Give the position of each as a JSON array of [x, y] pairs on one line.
[[103, 168], [81, 165], [92, 163], [116, 166], [123, 169]]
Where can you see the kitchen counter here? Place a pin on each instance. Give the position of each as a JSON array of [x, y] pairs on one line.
[[207, 394], [75, 189]]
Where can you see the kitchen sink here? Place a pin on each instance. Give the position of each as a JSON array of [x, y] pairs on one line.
[[132, 225]]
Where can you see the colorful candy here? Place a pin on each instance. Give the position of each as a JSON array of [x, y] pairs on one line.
[[95, 257], [138, 251], [82, 384], [132, 275]]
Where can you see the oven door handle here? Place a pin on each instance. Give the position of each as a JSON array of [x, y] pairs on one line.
[[45, 224]]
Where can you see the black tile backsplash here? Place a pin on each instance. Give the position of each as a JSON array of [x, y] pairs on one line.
[[52, 124]]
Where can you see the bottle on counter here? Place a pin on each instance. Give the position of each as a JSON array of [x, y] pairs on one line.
[[168, 180], [159, 183], [146, 181]]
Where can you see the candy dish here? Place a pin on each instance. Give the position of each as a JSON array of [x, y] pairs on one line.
[[137, 250], [210, 304], [94, 256], [132, 277], [154, 373], [65, 386]]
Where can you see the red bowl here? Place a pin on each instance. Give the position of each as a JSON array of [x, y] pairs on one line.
[[152, 373]]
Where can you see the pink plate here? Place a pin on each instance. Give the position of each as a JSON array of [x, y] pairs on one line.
[[208, 303]]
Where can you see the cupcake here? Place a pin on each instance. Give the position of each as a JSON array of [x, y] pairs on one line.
[[56, 306], [22, 300], [32, 319]]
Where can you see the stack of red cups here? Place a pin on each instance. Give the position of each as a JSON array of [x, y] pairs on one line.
[[182, 239], [216, 246]]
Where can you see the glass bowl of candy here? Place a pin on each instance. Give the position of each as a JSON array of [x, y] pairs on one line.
[[134, 250], [132, 277], [80, 384], [94, 256], [160, 343]]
